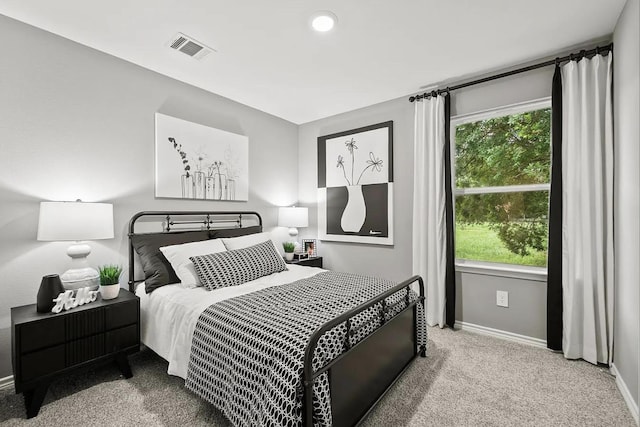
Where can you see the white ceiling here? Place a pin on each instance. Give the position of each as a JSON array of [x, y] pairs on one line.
[[269, 59]]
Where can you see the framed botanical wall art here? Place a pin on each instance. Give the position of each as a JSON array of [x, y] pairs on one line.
[[355, 185], [199, 162]]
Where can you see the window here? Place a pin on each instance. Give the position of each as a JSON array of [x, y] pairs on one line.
[[501, 174]]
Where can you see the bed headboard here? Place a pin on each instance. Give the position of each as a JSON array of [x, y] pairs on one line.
[[168, 222]]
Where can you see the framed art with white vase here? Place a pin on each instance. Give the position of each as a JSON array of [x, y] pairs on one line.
[[355, 185]]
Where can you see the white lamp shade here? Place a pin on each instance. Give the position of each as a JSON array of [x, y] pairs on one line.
[[293, 217], [75, 221]]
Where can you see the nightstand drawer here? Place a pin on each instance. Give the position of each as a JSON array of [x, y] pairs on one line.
[[59, 329], [312, 262], [122, 314], [122, 338], [42, 362], [83, 323], [84, 349], [315, 261], [41, 334]]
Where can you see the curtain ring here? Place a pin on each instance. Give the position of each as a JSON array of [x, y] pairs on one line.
[[557, 61], [434, 94]]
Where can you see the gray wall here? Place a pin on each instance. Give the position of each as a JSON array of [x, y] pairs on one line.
[[526, 314], [476, 294], [392, 262], [626, 195], [5, 352], [77, 123]]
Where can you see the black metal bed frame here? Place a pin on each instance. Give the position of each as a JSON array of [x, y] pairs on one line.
[[377, 342], [361, 376], [209, 219]]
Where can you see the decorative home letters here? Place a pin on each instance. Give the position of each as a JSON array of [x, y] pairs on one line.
[[86, 295], [67, 301]]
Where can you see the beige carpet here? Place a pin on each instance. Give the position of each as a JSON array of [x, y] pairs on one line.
[[466, 380]]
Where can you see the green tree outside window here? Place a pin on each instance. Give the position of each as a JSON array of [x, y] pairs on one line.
[[503, 226]]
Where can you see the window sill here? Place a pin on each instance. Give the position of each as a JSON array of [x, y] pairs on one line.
[[537, 274]]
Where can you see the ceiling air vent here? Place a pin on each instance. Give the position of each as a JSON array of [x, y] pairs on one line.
[[189, 46]]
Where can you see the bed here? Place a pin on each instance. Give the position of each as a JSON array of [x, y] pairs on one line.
[[340, 359]]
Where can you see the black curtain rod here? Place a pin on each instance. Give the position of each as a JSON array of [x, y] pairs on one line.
[[572, 57]]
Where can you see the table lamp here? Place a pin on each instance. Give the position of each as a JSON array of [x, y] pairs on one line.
[[76, 221], [293, 217]]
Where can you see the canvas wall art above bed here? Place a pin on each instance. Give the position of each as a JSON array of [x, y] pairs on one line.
[[355, 185], [194, 161]]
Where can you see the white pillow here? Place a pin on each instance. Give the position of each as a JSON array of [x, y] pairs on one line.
[[178, 257], [233, 243]]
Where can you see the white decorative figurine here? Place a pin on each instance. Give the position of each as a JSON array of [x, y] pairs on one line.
[[86, 295], [67, 301]]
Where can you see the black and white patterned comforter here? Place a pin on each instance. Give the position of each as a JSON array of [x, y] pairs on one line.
[[247, 352]]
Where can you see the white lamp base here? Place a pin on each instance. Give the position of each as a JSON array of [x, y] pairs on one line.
[[76, 278], [293, 232], [80, 275]]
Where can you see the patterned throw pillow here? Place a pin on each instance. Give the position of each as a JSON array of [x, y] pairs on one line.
[[236, 267]]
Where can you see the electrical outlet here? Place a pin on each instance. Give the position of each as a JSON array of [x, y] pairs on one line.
[[502, 298]]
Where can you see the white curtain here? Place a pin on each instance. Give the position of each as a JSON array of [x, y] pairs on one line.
[[429, 221], [587, 220]]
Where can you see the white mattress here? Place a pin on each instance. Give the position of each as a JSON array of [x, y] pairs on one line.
[[170, 313]]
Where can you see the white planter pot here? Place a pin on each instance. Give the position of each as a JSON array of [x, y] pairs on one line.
[[109, 291], [355, 212], [288, 256]]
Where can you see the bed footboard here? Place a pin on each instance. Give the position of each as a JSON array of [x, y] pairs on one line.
[[361, 376]]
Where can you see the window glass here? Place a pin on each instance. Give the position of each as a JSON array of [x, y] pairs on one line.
[[497, 220], [509, 228], [507, 150]]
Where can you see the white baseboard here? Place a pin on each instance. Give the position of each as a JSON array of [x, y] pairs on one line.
[[510, 336], [6, 382], [624, 390]]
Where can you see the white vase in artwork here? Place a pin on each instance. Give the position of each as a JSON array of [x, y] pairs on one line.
[[199, 187], [187, 186], [355, 212]]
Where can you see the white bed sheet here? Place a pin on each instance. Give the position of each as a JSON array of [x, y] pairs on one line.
[[169, 314]]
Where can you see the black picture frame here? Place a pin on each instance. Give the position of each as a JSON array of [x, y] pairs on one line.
[[355, 185]]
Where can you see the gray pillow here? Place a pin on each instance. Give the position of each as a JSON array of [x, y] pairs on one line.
[[157, 269], [234, 232], [232, 268]]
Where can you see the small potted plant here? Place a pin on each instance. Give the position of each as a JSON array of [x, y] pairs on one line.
[[109, 281], [289, 248]]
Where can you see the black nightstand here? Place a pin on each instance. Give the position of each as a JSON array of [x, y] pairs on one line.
[[46, 345], [315, 261]]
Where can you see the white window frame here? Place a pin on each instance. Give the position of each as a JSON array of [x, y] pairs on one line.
[[518, 271]]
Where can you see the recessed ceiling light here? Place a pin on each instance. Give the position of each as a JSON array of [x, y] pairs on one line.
[[323, 21]]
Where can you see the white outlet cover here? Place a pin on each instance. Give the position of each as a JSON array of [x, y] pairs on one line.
[[502, 298]]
